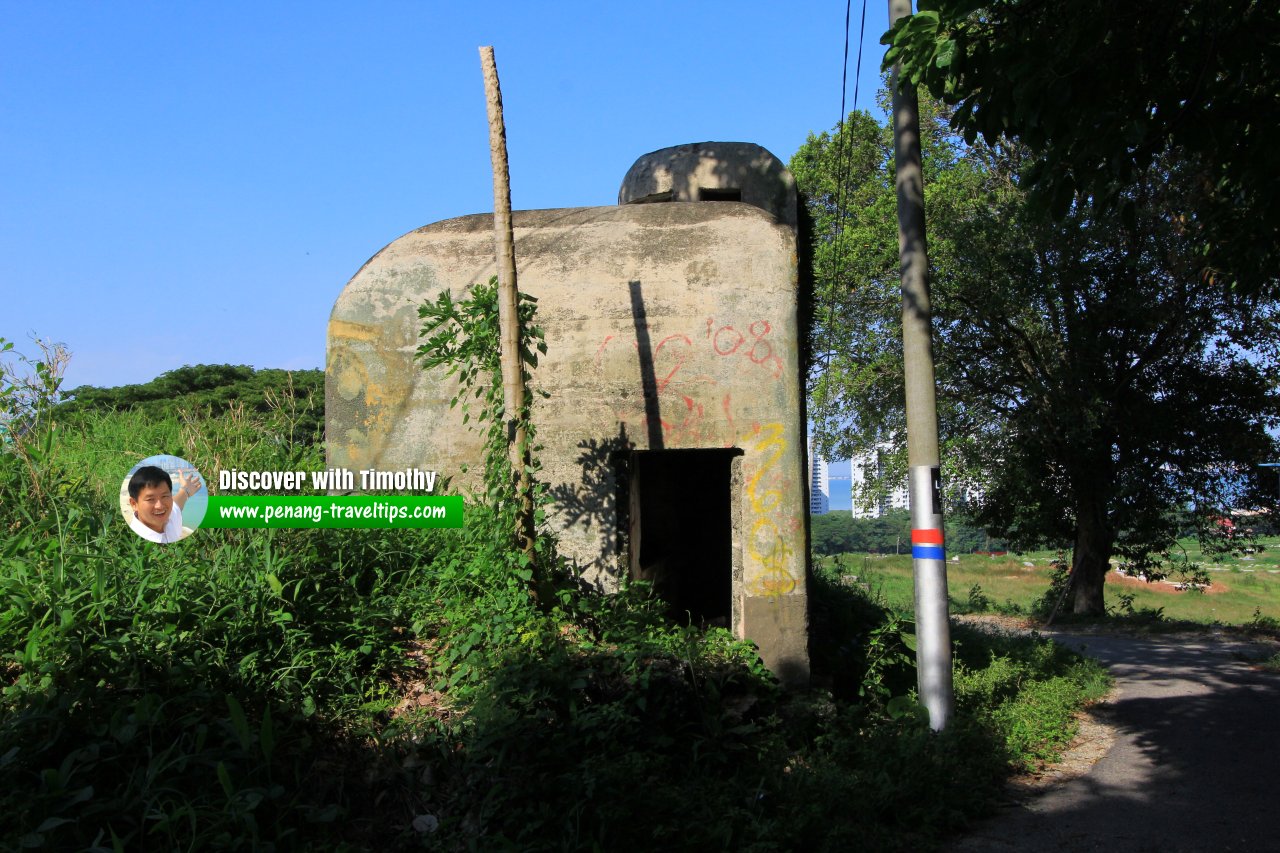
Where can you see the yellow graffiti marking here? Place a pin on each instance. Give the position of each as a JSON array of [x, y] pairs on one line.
[[766, 544]]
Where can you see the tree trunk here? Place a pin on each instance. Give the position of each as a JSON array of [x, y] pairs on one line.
[[513, 392], [1090, 561]]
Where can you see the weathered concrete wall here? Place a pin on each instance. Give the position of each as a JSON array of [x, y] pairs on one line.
[[695, 302]]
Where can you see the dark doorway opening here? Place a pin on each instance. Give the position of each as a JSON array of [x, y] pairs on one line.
[[681, 520]]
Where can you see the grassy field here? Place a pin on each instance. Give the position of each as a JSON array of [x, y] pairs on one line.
[[1241, 586]]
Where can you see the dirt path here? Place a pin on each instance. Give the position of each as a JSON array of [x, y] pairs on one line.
[[1194, 763]]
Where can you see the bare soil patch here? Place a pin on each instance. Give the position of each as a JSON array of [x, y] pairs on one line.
[[1163, 587]]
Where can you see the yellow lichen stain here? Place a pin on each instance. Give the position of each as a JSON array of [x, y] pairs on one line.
[[350, 331], [358, 353]]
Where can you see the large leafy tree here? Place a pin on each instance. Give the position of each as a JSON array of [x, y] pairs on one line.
[[216, 387], [1103, 90], [1091, 380]]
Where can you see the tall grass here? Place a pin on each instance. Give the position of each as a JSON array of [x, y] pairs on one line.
[[179, 697], [381, 690]]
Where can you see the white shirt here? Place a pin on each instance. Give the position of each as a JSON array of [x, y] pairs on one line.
[[172, 527]]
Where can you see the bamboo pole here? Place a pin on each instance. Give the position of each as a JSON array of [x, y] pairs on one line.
[[513, 392]]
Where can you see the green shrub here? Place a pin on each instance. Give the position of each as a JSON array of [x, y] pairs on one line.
[[1038, 723], [1260, 622], [1026, 689]]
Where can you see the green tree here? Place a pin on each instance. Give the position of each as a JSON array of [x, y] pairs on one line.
[[1102, 91], [215, 388], [1090, 378], [831, 533], [846, 178]]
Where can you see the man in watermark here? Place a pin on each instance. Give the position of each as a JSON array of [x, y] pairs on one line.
[[157, 511]]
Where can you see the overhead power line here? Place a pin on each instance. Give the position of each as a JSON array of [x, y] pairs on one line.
[[844, 160]]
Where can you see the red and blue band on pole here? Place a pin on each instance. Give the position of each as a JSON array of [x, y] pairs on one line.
[[927, 545]]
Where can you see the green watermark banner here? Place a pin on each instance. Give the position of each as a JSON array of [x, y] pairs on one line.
[[333, 511]]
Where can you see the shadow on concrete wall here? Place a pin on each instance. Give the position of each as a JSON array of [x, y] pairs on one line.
[[648, 377], [594, 500]]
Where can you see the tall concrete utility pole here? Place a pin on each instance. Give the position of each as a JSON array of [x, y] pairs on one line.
[[513, 397], [933, 632]]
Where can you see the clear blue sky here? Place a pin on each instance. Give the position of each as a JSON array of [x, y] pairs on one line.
[[195, 183]]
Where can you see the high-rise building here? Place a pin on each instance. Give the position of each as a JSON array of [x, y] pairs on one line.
[[819, 485], [869, 467]]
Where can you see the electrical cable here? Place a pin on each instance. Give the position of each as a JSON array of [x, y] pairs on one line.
[[843, 164]]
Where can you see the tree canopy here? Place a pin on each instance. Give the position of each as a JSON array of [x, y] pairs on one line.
[[1090, 379], [839, 532], [214, 387], [1101, 91]]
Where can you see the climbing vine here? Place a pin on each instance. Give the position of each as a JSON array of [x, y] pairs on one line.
[[462, 339]]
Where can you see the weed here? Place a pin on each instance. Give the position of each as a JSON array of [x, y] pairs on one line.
[[1259, 622], [1026, 688], [1051, 601], [1125, 611], [978, 602]]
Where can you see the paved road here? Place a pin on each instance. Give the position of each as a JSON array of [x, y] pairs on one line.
[[1195, 765]]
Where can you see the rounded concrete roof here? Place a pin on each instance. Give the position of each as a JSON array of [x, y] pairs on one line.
[[713, 171]]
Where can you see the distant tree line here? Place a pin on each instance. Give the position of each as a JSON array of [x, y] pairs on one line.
[[841, 533], [214, 388]]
